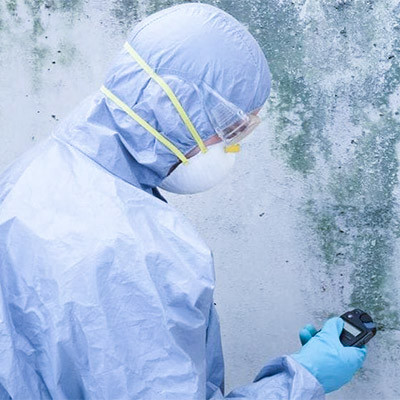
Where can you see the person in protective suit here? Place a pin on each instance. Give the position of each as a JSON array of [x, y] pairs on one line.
[[107, 291]]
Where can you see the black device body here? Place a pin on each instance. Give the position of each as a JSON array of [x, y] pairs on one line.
[[358, 328]]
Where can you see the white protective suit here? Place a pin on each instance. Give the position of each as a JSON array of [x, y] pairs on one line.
[[106, 292]]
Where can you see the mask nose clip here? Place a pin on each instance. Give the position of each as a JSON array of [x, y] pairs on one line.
[[233, 148]]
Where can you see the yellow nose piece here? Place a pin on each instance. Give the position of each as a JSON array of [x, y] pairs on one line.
[[233, 148]]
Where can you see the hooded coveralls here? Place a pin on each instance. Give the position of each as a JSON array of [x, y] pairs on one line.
[[106, 291]]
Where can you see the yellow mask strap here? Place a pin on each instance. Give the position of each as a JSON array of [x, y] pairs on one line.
[[145, 124], [169, 93]]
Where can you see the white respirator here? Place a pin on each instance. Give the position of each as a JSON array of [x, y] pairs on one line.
[[202, 172]]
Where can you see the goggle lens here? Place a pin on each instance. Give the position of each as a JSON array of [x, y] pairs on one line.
[[240, 129]]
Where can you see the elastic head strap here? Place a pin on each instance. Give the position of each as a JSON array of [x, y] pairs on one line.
[[144, 124], [169, 93]]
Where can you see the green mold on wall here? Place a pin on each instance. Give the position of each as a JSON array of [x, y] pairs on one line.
[[129, 12], [69, 5], [66, 53], [11, 6], [40, 12], [358, 224], [299, 153], [355, 221], [38, 29], [125, 12], [40, 55]]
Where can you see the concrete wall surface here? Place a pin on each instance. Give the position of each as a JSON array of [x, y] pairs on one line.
[[308, 224]]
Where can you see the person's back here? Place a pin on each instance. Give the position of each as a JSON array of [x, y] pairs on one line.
[[92, 295]]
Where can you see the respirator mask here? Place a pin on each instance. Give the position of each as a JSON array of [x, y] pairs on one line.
[[206, 169], [203, 171]]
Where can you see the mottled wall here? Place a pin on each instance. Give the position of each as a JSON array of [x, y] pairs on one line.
[[310, 217]]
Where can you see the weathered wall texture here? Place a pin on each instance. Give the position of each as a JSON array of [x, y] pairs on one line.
[[308, 225]]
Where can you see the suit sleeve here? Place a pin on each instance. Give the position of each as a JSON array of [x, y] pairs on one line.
[[281, 379]]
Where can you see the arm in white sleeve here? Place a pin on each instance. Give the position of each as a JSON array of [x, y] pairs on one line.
[[281, 379]]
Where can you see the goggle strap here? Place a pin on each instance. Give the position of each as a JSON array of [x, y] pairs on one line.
[[157, 78], [144, 124]]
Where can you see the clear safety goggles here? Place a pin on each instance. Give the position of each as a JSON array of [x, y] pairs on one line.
[[230, 122], [242, 126]]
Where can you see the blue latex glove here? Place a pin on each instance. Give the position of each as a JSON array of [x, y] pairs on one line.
[[307, 333], [326, 358]]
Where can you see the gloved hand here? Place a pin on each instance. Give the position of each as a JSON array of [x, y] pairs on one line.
[[326, 358]]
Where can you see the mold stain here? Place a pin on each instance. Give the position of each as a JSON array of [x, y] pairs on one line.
[[369, 182], [320, 59], [66, 53], [126, 13], [38, 29], [358, 225], [40, 14], [11, 6], [40, 55], [69, 5], [299, 115], [157, 5]]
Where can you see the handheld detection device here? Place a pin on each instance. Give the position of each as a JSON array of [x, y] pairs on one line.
[[358, 328]]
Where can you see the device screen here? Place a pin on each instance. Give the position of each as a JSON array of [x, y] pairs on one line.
[[351, 329]]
